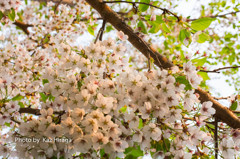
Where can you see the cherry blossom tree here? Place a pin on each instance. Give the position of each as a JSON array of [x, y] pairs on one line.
[[118, 79]]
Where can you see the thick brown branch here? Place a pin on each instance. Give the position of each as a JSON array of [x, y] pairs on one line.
[[29, 111], [113, 18], [223, 113], [23, 26], [37, 111]]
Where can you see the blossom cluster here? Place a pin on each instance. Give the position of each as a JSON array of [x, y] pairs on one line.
[[103, 103], [191, 74], [94, 97], [8, 4]]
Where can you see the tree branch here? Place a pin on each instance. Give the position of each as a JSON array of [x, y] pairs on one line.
[[110, 16], [23, 26], [224, 68], [219, 98], [216, 137], [222, 113], [68, 2], [100, 32], [29, 111], [113, 18], [219, 69], [37, 111], [149, 4], [217, 16]]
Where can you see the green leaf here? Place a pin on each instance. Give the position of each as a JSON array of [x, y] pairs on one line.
[[109, 28], [43, 97], [142, 27], [155, 27], [140, 126], [224, 3], [165, 28], [17, 97], [212, 157], [7, 124], [21, 104], [90, 30], [123, 109], [204, 75], [158, 146], [133, 152], [166, 145], [234, 106], [51, 98], [44, 81], [1, 15], [199, 62], [211, 126], [143, 7], [183, 35], [46, 39], [159, 19], [201, 24], [41, 5], [203, 37], [231, 58], [102, 152], [11, 15], [80, 84], [183, 80]]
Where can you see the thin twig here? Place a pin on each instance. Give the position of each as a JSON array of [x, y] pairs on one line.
[[18, 122], [134, 3], [12, 118], [56, 7], [217, 16], [219, 69], [216, 137], [100, 32], [219, 98], [103, 28], [236, 111], [208, 71], [224, 68]]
